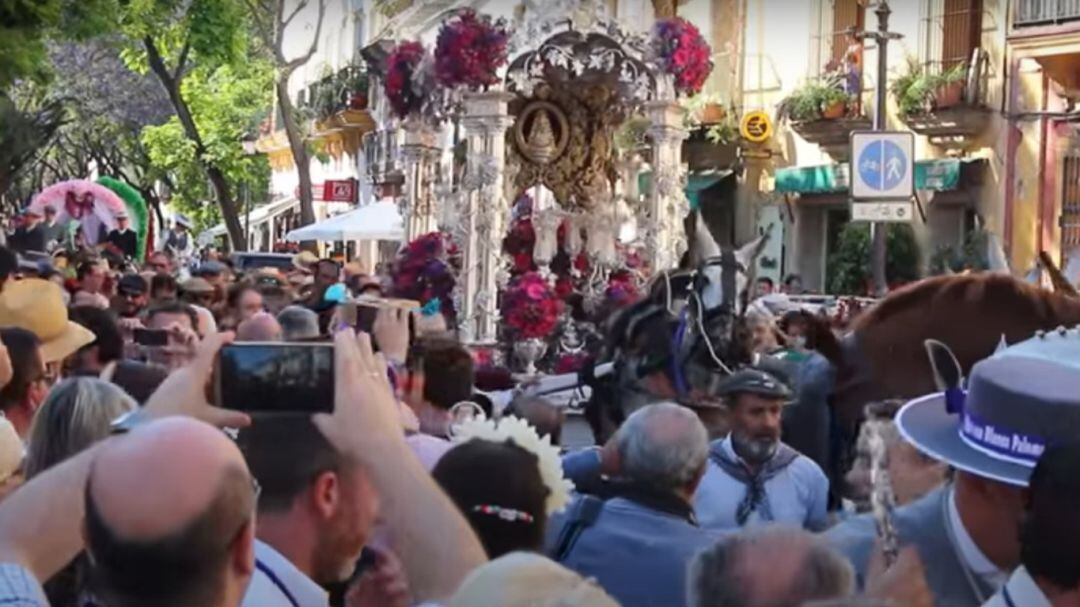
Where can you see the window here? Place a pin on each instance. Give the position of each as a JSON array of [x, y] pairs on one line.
[[952, 31], [848, 16], [834, 41], [1045, 12], [1070, 204]]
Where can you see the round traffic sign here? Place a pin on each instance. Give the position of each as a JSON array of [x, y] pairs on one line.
[[756, 127], [882, 165]]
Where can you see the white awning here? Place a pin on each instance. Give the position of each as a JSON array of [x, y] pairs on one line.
[[375, 221], [258, 215]]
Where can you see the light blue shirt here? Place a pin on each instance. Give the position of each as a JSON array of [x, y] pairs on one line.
[[798, 495], [640, 556], [18, 588]]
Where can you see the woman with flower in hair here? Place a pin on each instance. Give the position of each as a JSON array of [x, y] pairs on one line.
[[506, 480]]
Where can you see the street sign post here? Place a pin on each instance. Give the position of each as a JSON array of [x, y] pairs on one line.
[[882, 211], [883, 166]]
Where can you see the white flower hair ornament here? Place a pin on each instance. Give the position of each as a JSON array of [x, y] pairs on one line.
[[526, 437]]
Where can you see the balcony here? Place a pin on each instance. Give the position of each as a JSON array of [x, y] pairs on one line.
[[945, 105], [1045, 12], [338, 101], [825, 112]]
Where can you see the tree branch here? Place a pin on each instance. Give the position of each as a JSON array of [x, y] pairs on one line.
[[181, 63], [285, 22], [291, 66]]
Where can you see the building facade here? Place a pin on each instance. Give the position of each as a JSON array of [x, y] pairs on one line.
[[799, 179]]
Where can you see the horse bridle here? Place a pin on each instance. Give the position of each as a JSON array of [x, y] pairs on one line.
[[729, 269]]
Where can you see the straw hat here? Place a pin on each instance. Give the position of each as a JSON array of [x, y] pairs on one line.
[[38, 306], [304, 260]]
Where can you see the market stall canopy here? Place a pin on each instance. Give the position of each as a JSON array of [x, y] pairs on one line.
[[258, 215], [938, 175], [375, 221]]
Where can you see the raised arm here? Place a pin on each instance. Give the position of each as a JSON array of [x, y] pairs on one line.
[[434, 541]]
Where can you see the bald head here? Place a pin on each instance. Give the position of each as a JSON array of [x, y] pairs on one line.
[[768, 566], [663, 446], [260, 327], [165, 508], [161, 477]]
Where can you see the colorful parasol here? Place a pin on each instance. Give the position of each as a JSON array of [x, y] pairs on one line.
[[93, 205]]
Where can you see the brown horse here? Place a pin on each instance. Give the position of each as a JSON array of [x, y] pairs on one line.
[[884, 356]]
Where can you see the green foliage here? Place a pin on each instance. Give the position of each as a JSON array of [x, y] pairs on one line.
[[916, 88], [808, 101], [334, 91], [26, 26], [972, 255], [849, 271], [25, 130], [226, 103], [210, 32]]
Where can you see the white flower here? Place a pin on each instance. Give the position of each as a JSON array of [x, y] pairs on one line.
[[526, 437]]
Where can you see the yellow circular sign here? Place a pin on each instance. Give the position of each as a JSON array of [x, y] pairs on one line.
[[756, 127]]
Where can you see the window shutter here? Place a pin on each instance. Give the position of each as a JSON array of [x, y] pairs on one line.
[[962, 31], [847, 14]]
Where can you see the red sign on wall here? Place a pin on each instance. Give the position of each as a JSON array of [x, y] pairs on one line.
[[342, 190]]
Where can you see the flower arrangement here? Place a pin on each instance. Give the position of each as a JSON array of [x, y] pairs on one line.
[[549, 460], [470, 50], [530, 307], [402, 70], [425, 270], [683, 53], [518, 244]]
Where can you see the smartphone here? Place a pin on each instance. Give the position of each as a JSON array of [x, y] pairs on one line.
[[151, 337], [275, 377], [360, 314]]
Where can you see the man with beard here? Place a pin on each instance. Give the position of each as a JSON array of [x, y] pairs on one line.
[[315, 511], [752, 477]]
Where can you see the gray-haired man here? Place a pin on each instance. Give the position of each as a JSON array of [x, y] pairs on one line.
[[638, 543]]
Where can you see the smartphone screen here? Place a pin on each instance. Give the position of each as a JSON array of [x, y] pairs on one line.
[[276, 377], [151, 337]]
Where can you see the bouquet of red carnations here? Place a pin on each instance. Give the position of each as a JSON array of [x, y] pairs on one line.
[[402, 70], [470, 50], [683, 53], [530, 307]]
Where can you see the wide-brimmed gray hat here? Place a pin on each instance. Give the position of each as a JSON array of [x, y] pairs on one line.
[[1017, 402]]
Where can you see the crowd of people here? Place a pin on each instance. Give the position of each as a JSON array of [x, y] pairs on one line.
[[123, 485]]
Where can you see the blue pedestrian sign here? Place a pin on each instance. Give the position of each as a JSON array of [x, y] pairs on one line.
[[884, 165]]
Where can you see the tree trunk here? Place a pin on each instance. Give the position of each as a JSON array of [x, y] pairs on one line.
[[187, 121], [300, 155]]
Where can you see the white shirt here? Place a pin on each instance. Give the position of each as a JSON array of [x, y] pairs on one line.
[[267, 591], [970, 556], [1022, 591]]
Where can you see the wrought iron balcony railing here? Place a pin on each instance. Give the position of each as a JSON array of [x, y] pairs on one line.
[[1045, 12]]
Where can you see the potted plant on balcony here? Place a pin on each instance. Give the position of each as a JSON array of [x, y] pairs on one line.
[[356, 88], [913, 89], [817, 100], [949, 91]]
